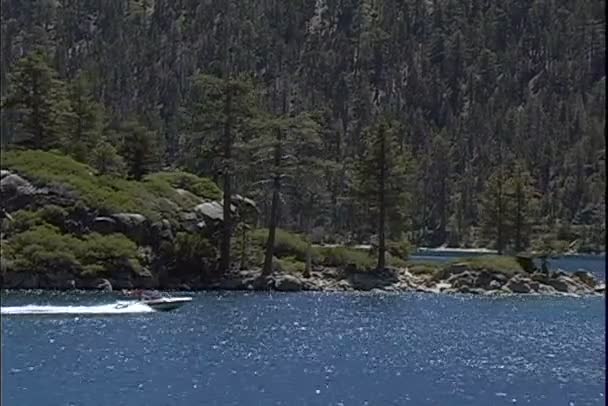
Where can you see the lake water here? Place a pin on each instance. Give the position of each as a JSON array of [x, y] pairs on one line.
[[307, 349]]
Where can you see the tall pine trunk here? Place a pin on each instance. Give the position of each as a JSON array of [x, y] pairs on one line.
[[499, 219], [518, 216], [308, 266], [227, 225], [274, 209], [382, 202]]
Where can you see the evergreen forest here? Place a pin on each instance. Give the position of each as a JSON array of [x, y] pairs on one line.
[[460, 123]]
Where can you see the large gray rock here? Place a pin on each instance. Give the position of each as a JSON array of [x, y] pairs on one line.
[[585, 277], [575, 285], [372, 279], [546, 290], [454, 269], [287, 283], [14, 182], [211, 210], [494, 285], [519, 284], [462, 279], [130, 219], [133, 225], [558, 283], [104, 225], [540, 277]]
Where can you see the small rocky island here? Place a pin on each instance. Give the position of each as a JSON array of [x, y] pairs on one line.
[[65, 227], [457, 277]]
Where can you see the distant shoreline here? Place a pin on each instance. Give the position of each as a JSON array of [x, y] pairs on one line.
[[487, 251]]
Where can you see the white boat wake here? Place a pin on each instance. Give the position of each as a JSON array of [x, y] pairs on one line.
[[114, 308]]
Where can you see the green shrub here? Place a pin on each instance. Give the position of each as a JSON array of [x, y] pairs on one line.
[[154, 197], [24, 220], [286, 245], [102, 249], [423, 268], [190, 253], [342, 256], [292, 247], [201, 187], [41, 249], [505, 264], [53, 215], [44, 248], [399, 249], [292, 265]]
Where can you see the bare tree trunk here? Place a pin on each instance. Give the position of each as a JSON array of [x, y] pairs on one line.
[[228, 141], [518, 216], [382, 203], [274, 210], [308, 267], [243, 264], [227, 224]]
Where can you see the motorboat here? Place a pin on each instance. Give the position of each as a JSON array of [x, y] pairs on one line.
[[159, 301], [166, 303]]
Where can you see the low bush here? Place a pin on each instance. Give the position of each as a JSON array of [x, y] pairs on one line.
[[43, 248], [423, 268], [191, 253], [292, 247], [291, 265], [399, 249], [202, 187], [343, 256], [154, 197], [504, 264], [286, 244]]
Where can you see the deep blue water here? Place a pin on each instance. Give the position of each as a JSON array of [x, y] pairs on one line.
[[309, 349]]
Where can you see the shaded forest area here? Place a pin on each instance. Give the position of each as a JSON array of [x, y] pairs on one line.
[[467, 123]]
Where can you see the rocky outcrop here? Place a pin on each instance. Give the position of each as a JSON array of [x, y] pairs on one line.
[[519, 284], [467, 281], [373, 280], [288, 283], [157, 238], [213, 211]]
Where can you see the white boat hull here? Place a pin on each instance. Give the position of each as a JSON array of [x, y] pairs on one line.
[[167, 303]]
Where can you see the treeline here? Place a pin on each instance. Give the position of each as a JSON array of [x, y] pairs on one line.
[[458, 122]]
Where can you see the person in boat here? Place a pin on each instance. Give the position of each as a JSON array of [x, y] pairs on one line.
[[144, 294]]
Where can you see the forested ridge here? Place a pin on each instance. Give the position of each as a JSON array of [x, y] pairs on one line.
[[468, 123]]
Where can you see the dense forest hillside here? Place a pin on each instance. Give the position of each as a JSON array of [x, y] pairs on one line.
[[487, 118]]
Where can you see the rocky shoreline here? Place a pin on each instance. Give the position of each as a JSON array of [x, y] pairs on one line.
[[77, 230], [455, 279], [450, 280]]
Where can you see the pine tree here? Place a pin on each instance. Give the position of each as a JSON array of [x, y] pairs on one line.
[[494, 208], [523, 202], [308, 189], [84, 131], [508, 207], [382, 177], [275, 150], [217, 121], [38, 98], [139, 148], [106, 160]]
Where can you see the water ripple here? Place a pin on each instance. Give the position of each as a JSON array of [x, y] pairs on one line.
[[309, 349]]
